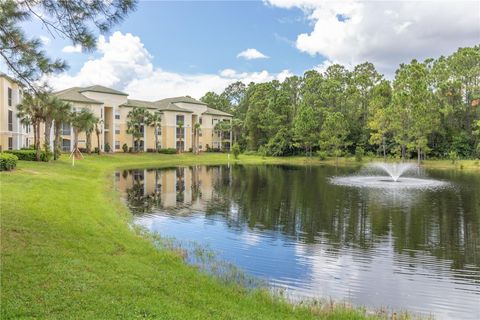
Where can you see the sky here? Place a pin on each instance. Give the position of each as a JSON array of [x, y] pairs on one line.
[[173, 48]]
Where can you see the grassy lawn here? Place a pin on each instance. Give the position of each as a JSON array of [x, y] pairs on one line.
[[67, 250]]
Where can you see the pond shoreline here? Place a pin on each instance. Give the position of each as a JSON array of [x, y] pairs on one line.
[[67, 254]]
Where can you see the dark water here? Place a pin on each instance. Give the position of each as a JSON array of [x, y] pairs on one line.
[[417, 250]]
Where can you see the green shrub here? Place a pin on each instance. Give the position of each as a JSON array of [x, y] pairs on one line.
[[359, 153], [453, 155], [250, 153], [236, 150], [168, 150], [107, 147], [28, 155], [7, 161], [262, 151], [125, 148], [322, 155]]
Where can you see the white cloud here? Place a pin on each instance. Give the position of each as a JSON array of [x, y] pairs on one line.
[[386, 32], [72, 49], [251, 54], [45, 40], [125, 64]]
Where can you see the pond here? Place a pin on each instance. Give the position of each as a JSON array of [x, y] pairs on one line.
[[416, 250]]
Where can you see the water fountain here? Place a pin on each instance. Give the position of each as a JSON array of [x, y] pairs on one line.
[[385, 175]]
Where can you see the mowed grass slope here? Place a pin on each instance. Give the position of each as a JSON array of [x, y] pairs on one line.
[[68, 252]]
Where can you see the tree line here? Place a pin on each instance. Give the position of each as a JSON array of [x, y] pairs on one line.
[[430, 109]]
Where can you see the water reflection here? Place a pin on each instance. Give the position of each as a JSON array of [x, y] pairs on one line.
[[416, 250]]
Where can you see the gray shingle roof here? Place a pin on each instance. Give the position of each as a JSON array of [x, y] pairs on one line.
[[102, 89], [139, 104], [6, 76], [216, 112], [73, 95], [185, 99], [160, 106], [168, 106]]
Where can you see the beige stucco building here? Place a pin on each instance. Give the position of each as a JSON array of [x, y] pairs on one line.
[[13, 134], [112, 108]]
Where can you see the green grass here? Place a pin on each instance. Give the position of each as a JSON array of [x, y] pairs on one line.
[[68, 252]]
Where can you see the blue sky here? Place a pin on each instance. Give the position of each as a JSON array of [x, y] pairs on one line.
[[168, 48]]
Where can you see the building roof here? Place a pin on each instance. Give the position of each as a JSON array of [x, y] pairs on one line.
[[74, 95], [102, 89], [160, 106], [139, 104], [168, 106], [6, 76], [185, 99], [216, 112]]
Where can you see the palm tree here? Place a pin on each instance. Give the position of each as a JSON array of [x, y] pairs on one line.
[[180, 128], [155, 120], [30, 112], [196, 137], [136, 119], [223, 127], [60, 116], [98, 131], [89, 126], [82, 121], [237, 126], [51, 104]]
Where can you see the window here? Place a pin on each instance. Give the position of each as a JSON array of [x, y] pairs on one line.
[[10, 120], [200, 120], [117, 129], [27, 143], [101, 113], [180, 119], [10, 93], [10, 143], [180, 131], [117, 145], [117, 115], [66, 130], [180, 145], [65, 145]]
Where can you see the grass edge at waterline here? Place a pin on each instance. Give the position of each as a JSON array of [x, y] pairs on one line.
[[67, 251]]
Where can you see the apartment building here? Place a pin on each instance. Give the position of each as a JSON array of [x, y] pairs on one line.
[[179, 118], [13, 134], [112, 107]]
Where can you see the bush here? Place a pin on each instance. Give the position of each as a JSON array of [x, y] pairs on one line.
[[7, 161], [96, 150], [28, 155], [168, 151], [125, 148], [130, 149], [322, 155], [151, 150], [453, 155], [262, 151], [107, 147], [236, 150], [359, 153]]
